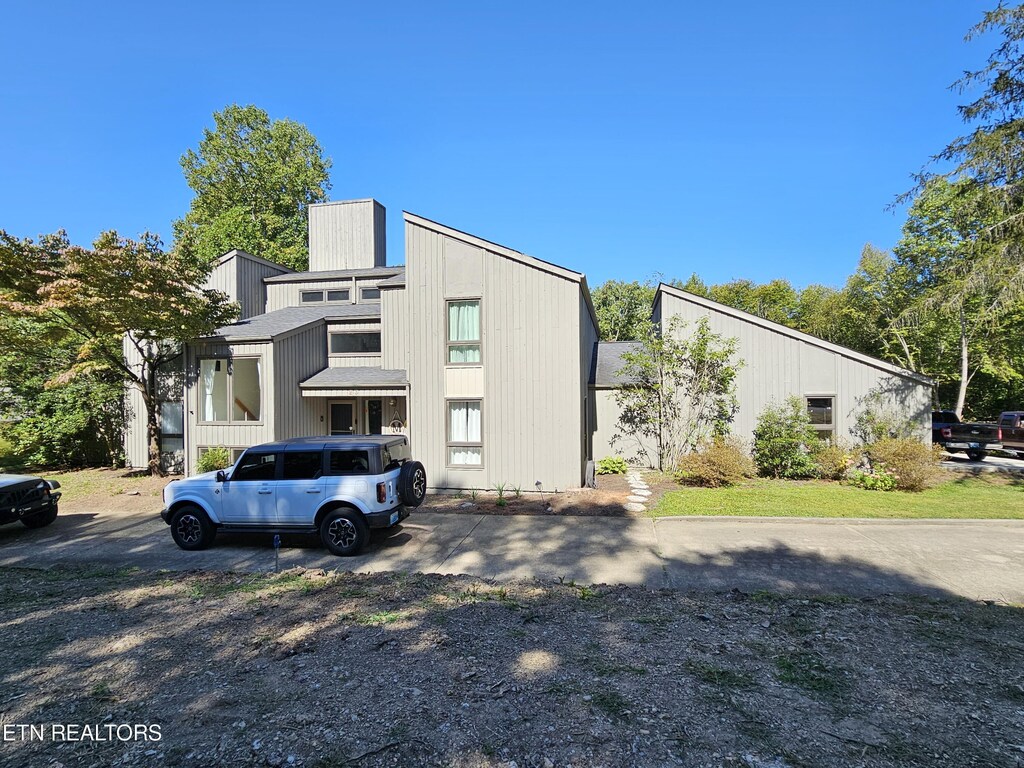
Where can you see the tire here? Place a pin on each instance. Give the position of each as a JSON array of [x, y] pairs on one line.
[[344, 532], [977, 455], [191, 529], [412, 484], [40, 519]]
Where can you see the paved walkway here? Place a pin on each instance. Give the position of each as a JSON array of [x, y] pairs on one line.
[[973, 558]]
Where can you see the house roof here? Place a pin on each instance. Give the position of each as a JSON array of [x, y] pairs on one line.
[[248, 256], [606, 362], [359, 376], [785, 330], [334, 274], [393, 282], [269, 325]]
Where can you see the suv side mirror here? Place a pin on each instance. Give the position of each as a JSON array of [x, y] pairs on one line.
[[221, 476]]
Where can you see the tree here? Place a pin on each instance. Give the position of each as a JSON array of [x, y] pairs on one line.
[[623, 309], [121, 290], [254, 180], [680, 390]]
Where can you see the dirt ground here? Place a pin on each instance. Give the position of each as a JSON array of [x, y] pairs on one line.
[[323, 669]]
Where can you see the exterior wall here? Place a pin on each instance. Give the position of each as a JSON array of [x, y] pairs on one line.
[[251, 291], [530, 379], [352, 361], [297, 357], [281, 295], [603, 418], [347, 235], [777, 366], [589, 336], [238, 435]]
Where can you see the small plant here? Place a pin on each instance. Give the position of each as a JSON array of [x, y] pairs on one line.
[[500, 488], [912, 464], [718, 463], [213, 459], [784, 440], [472, 494], [612, 465], [518, 492], [876, 480], [831, 460]]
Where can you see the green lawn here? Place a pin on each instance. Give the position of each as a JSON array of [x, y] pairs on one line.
[[964, 498]]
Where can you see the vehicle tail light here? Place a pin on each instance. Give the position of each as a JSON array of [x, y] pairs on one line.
[[947, 432], [999, 434], [381, 493]]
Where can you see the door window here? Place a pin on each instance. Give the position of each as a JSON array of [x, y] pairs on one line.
[[256, 466], [303, 465]]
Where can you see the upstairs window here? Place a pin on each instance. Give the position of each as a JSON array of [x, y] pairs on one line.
[[311, 297], [464, 332], [370, 294], [230, 390], [355, 343], [339, 295]]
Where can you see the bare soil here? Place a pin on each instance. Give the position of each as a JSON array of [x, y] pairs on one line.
[[308, 668], [607, 500]]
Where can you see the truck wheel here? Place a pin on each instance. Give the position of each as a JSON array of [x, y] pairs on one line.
[[40, 519], [412, 484], [191, 529], [344, 532], [977, 455]]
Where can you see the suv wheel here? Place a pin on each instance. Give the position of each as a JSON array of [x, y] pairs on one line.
[[344, 532], [412, 484], [40, 519], [191, 529], [976, 455]]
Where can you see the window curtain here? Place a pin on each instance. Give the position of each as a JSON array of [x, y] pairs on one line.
[[464, 325], [464, 427], [207, 372]]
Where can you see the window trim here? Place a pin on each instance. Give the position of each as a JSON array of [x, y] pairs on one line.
[[832, 427], [304, 293], [329, 300], [231, 389], [362, 291], [449, 443], [448, 343], [354, 333]]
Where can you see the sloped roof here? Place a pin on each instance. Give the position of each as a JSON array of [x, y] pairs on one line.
[[785, 330], [272, 324], [246, 255], [606, 362], [396, 281], [358, 376], [334, 274]]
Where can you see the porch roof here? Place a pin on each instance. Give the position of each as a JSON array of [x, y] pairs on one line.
[[359, 381], [267, 326]]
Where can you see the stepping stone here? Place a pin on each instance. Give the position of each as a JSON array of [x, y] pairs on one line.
[[641, 492], [636, 499], [634, 507]]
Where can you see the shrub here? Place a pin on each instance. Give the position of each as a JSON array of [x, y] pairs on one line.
[[715, 464], [612, 465], [877, 420], [214, 458], [878, 480], [831, 460], [783, 441], [912, 464]]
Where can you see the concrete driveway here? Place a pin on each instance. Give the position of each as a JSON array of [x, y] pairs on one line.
[[972, 558], [960, 462]]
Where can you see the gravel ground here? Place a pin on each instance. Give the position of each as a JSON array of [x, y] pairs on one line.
[[308, 668]]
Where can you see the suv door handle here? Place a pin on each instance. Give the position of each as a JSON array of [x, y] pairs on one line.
[[268, 490], [312, 490]]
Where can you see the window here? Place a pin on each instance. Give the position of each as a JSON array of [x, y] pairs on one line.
[[172, 436], [819, 411], [255, 466], [355, 343], [224, 382], [311, 297], [349, 462], [341, 295], [393, 455], [464, 332], [370, 294], [465, 445], [303, 465]]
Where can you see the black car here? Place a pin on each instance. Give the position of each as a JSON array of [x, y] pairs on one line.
[[31, 500]]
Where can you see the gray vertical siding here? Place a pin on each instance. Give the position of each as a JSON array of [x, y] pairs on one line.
[[251, 291], [297, 357], [777, 366], [136, 445], [346, 235], [532, 373]]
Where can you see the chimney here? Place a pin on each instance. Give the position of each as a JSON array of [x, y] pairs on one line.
[[348, 234]]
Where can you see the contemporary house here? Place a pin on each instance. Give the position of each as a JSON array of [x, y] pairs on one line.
[[488, 359]]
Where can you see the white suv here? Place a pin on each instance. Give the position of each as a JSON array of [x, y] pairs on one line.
[[339, 487]]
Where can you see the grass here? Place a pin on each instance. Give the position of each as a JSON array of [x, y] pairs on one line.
[[713, 674], [964, 498]]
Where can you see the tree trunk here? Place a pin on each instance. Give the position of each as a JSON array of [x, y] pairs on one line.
[[961, 395], [152, 423]]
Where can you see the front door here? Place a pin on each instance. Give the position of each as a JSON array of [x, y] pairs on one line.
[[374, 417], [343, 417]]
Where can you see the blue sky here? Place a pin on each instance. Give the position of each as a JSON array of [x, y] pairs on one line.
[[746, 139]]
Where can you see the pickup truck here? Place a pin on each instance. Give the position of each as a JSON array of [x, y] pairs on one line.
[[975, 439], [1011, 423]]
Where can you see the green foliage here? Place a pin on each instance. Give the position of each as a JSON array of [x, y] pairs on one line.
[[831, 460], [214, 458], [623, 309], [875, 480], [912, 464], [500, 489], [720, 462], [680, 391], [612, 465], [876, 420], [254, 180], [784, 441]]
